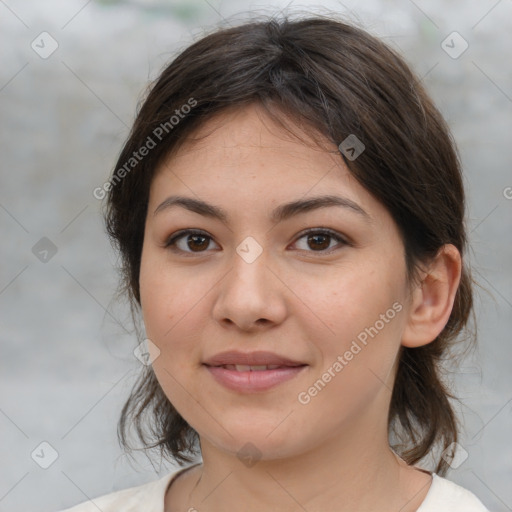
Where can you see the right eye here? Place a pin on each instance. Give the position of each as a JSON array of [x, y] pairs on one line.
[[193, 239]]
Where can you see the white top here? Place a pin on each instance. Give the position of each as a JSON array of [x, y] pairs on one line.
[[443, 496]]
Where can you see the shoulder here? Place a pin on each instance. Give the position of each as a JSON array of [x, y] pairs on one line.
[[447, 496], [148, 497]]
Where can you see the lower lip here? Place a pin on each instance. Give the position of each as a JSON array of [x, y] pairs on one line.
[[259, 380]]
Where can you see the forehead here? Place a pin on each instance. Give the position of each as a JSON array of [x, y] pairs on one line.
[[245, 142], [251, 128], [244, 159]]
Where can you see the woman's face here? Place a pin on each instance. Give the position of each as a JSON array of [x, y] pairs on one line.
[[256, 281]]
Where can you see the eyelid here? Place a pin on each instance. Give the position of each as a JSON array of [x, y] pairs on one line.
[[341, 239]]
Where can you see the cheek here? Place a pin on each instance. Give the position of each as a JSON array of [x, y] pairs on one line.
[[352, 299], [364, 312], [172, 316], [159, 298], [356, 362], [172, 304], [153, 297]]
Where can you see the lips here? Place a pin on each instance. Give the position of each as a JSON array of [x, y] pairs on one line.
[[252, 372], [247, 381], [251, 361], [251, 368]]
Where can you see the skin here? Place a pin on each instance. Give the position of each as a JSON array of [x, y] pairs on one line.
[[305, 300]]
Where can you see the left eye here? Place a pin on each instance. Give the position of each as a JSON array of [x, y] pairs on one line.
[[319, 240]]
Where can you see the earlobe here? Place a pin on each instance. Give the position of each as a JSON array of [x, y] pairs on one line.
[[432, 299]]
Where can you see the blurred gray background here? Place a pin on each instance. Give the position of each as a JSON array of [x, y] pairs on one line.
[[67, 362]]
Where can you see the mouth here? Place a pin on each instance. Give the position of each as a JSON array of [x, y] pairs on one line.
[[255, 368], [253, 378], [252, 372]]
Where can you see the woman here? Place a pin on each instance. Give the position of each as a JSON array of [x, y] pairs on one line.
[[289, 210]]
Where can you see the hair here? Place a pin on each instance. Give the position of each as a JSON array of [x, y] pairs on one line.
[[338, 80]]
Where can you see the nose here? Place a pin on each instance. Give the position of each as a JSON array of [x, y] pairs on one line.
[[251, 296]]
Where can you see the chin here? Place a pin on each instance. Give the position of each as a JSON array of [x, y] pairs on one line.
[[257, 442]]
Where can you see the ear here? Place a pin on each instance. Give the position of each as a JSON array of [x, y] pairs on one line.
[[432, 299]]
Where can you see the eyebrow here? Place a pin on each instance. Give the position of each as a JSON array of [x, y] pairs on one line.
[[281, 213]]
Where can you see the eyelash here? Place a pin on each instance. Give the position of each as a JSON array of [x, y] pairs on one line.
[[171, 241]]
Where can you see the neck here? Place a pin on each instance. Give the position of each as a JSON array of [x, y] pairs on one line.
[[362, 474]]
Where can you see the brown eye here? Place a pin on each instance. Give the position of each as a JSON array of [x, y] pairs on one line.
[[320, 240], [194, 241], [198, 242]]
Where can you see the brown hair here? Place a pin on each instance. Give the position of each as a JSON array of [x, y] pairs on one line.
[[338, 80]]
